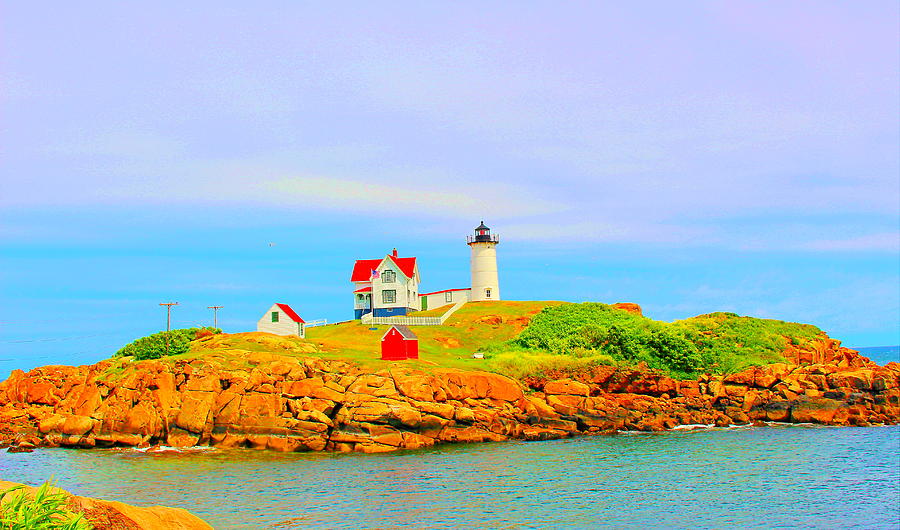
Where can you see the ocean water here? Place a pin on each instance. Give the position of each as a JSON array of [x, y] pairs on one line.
[[755, 477], [881, 354]]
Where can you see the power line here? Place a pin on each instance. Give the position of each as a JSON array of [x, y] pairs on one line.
[[168, 321], [215, 309]]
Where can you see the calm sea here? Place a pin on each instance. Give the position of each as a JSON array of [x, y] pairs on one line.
[[791, 476]]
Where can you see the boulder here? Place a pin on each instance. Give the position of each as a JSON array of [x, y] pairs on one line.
[[567, 386]]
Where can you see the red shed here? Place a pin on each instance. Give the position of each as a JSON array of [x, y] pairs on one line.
[[399, 343]]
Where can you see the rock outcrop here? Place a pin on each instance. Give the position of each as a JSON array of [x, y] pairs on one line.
[[290, 403], [112, 514]]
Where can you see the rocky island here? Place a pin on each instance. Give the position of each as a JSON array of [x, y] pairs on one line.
[[330, 393]]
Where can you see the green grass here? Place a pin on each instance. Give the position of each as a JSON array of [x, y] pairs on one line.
[[436, 312], [474, 327], [531, 339], [524, 364], [46, 509]]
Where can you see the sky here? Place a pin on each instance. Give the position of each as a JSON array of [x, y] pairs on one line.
[[687, 156]]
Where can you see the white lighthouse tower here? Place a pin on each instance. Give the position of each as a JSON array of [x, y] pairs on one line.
[[485, 283]]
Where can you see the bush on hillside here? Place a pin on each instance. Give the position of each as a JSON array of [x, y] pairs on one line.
[[719, 342], [154, 346], [734, 342]]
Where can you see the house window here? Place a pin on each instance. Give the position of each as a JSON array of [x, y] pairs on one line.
[[487, 293], [389, 276], [389, 296], [448, 296], [274, 316]]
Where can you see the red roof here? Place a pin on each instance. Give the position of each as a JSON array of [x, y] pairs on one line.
[[290, 313], [445, 291], [363, 290], [362, 269]]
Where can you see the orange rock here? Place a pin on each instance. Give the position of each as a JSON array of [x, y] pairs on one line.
[[195, 411], [815, 410], [416, 441], [567, 386], [629, 307], [112, 514], [41, 392], [312, 387], [448, 342]]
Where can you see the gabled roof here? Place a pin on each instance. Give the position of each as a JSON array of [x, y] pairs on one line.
[[362, 269], [404, 331], [407, 265], [445, 291], [290, 313]]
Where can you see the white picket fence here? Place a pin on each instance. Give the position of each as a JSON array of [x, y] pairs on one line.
[[412, 321], [315, 323]]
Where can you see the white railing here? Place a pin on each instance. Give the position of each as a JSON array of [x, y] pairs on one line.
[[412, 320], [319, 322], [452, 310]]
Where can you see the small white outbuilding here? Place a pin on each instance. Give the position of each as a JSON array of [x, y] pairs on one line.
[[280, 319]]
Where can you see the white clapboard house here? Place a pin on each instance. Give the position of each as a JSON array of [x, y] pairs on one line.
[[385, 287], [280, 319]]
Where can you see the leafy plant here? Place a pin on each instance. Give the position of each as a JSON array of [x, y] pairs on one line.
[[173, 342], [718, 342], [44, 510]]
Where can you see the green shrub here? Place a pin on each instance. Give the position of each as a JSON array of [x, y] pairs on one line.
[[45, 510], [732, 343], [154, 346], [718, 342]]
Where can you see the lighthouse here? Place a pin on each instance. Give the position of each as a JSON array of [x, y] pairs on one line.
[[485, 283]]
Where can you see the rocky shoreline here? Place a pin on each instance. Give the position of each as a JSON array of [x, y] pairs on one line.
[[114, 514], [290, 403]]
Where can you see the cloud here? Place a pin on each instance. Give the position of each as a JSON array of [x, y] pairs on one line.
[[883, 242], [391, 198]]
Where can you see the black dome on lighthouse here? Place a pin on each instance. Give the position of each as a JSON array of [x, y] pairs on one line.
[[483, 235]]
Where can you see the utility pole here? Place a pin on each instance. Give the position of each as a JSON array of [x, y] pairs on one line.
[[168, 321], [215, 309]]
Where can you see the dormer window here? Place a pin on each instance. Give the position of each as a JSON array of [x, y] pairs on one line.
[[389, 276]]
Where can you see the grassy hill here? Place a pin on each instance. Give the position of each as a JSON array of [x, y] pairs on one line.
[[474, 327], [717, 342], [534, 339]]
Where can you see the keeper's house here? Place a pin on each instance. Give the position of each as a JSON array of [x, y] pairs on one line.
[[385, 287], [280, 319]]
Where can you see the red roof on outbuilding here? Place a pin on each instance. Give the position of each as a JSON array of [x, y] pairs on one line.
[[362, 269], [445, 291], [290, 313]]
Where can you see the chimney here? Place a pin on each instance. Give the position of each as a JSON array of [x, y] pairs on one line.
[[394, 252]]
